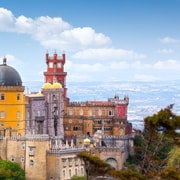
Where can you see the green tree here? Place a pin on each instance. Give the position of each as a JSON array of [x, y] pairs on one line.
[[170, 173], [152, 146], [93, 165], [11, 171], [97, 167]]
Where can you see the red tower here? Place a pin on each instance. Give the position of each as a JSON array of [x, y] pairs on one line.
[[55, 70]]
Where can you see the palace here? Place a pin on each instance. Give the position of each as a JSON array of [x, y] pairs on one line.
[[44, 131]]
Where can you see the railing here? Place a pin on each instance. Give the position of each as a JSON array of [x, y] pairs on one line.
[[65, 150]]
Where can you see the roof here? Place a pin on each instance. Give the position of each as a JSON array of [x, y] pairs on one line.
[[9, 76]]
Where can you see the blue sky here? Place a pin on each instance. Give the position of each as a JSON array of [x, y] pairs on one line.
[[104, 40]]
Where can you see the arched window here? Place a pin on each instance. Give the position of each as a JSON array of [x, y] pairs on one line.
[[31, 163]]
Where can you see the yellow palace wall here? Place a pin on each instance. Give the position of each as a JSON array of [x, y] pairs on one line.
[[12, 108]]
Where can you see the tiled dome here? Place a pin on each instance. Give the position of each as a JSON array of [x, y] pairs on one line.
[[9, 76]]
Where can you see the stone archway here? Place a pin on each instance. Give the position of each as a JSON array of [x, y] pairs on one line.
[[113, 162]]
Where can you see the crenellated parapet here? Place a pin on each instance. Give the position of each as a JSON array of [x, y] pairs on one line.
[[116, 100], [111, 149]]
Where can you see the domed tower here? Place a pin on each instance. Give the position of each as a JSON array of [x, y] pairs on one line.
[[12, 106], [54, 105]]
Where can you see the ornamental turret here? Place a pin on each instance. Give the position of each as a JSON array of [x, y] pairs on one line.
[[55, 70]]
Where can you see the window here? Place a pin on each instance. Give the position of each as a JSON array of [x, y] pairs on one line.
[[70, 162], [71, 112], [51, 65], [2, 114], [31, 151], [81, 112], [2, 123], [23, 145], [18, 114], [59, 65], [18, 124], [31, 163], [70, 120], [76, 162], [99, 122], [38, 113], [75, 128], [22, 159], [99, 112], [111, 113], [70, 173], [12, 158], [82, 171], [90, 112], [54, 97], [64, 173], [80, 121], [82, 162], [2, 96], [64, 162], [76, 172], [18, 96]]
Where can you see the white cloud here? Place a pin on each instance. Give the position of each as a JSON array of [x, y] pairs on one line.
[[101, 60], [132, 65], [24, 25], [52, 32], [119, 65], [84, 72], [6, 20], [169, 64], [167, 40], [107, 53], [165, 51], [86, 36], [97, 67]]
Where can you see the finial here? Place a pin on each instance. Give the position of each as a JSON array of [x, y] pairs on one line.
[[4, 60]]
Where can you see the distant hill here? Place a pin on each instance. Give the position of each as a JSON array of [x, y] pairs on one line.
[[146, 98]]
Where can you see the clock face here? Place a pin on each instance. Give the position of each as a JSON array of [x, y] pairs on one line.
[[112, 162]]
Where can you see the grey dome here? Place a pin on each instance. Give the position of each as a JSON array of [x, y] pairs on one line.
[[9, 76]]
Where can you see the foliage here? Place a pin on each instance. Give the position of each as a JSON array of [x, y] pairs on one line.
[[78, 178], [11, 171], [152, 147], [98, 167], [94, 165], [126, 175], [174, 160], [170, 174]]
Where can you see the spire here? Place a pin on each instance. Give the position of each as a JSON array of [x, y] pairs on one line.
[[4, 60]]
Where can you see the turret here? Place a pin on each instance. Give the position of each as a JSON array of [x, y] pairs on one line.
[[55, 70]]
